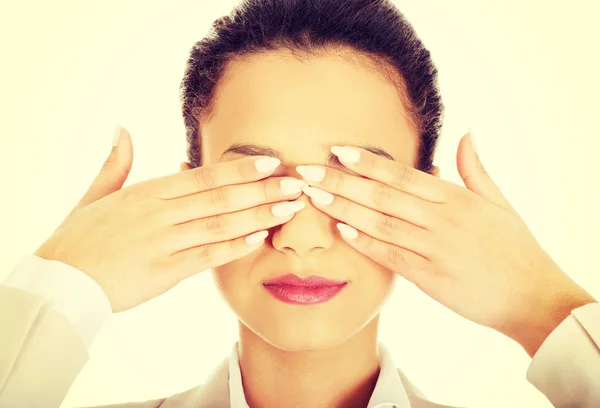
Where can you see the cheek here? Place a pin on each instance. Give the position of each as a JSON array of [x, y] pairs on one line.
[[374, 279], [231, 280], [373, 286]]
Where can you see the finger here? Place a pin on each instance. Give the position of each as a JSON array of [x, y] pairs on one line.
[[378, 225], [397, 259], [114, 171], [394, 173], [371, 193], [230, 198], [223, 227], [475, 176], [215, 175], [197, 259]]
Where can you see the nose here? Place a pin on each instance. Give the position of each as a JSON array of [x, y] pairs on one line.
[[310, 231]]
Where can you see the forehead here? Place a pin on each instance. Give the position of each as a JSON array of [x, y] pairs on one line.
[[303, 107]]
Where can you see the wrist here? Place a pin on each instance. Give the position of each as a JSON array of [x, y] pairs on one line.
[[546, 315]]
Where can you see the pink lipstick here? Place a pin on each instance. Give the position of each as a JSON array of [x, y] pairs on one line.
[[311, 290]]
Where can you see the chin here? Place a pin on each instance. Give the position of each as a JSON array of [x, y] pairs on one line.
[[290, 336], [305, 328]]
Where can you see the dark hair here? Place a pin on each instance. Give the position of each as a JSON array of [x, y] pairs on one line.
[[374, 32]]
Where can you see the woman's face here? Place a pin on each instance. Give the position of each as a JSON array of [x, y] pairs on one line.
[[302, 109]]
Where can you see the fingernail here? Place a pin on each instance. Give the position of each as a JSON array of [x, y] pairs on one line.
[[347, 231], [287, 208], [266, 164], [320, 196], [291, 186], [311, 173], [346, 154], [256, 237], [473, 140], [117, 136]]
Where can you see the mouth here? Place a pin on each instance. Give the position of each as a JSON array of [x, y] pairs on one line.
[[311, 290]]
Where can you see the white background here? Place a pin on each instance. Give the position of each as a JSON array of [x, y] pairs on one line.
[[522, 74]]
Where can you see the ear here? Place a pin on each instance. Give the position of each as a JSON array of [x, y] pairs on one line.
[[436, 171], [184, 166]]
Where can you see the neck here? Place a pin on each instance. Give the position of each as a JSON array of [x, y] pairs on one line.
[[341, 376]]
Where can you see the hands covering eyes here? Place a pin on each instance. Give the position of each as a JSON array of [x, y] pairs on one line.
[[467, 248]]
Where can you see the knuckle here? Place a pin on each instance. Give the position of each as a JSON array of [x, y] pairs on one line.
[[401, 175], [455, 211], [246, 169], [220, 197], [447, 216], [137, 191], [344, 207], [263, 215], [371, 165], [270, 189], [386, 225], [206, 254], [216, 225], [206, 177], [229, 249], [130, 193], [336, 180], [165, 213], [382, 194], [368, 244], [168, 280], [431, 217], [395, 255], [135, 194]]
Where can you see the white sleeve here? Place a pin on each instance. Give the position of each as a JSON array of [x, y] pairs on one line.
[[566, 368], [67, 290]]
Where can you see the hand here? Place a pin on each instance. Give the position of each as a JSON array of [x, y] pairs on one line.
[[467, 248], [140, 241]]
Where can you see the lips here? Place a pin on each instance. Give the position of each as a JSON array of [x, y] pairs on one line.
[[313, 289], [310, 281]]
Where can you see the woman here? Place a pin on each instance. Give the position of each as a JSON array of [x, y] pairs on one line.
[[343, 96]]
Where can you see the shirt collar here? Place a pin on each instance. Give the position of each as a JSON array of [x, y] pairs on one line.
[[389, 391]]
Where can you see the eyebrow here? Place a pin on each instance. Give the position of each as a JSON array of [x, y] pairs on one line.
[[249, 149]]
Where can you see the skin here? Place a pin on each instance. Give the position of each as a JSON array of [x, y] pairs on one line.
[[325, 355]]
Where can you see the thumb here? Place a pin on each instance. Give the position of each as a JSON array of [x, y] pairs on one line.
[[474, 175], [114, 171]]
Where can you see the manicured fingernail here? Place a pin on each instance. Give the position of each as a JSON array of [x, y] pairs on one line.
[[320, 196], [266, 164], [291, 186], [311, 173], [346, 154], [256, 237], [473, 140], [347, 231], [117, 136], [287, 208]]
